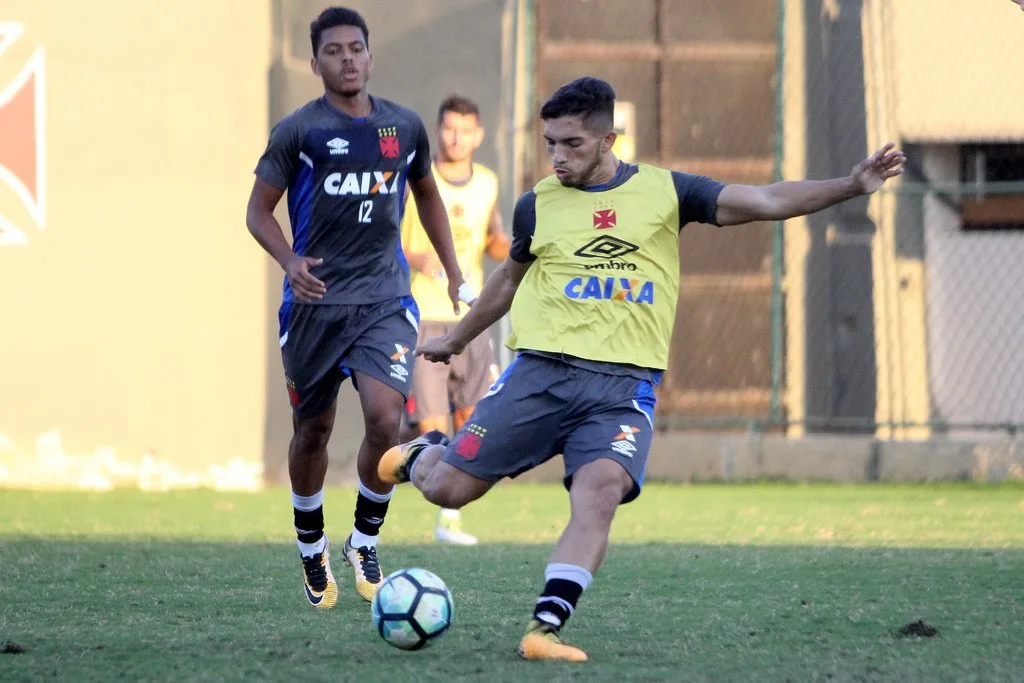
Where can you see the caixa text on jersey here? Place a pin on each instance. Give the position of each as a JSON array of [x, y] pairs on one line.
[[361, 184]]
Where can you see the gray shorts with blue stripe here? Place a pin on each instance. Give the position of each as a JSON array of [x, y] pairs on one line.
[[542, 406]]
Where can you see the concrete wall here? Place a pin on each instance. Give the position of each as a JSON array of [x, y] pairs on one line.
[[957, 68], [131, 300], [696, 458]]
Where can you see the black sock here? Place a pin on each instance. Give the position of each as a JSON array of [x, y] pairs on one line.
[[370, 515], [557, 602], [432, 438], [309, 524]]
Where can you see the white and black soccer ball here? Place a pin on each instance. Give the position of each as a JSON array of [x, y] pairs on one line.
[[412, 607]]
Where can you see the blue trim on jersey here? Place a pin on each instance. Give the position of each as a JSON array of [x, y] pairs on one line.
[[300, 209], [402, 261]]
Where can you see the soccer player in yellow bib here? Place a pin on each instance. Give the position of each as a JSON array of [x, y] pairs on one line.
[[470, 194], [592, 281]]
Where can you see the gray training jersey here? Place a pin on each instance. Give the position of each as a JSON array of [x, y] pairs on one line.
[[346, 179]]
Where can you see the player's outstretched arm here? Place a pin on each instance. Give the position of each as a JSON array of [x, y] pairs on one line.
[[745, 203], [493, 302], [263, 226], [434, 219]]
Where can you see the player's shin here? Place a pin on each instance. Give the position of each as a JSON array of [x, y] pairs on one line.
[[371, 508], [309, 522]]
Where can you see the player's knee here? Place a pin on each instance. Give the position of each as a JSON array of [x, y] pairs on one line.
[[382, 427], [598, 493], [311, 435], [606, 498]]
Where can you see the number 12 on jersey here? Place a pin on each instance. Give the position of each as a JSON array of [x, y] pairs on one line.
[[365, 209]]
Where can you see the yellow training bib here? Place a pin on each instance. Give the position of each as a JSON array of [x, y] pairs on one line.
[[606, 280], [469, 206]]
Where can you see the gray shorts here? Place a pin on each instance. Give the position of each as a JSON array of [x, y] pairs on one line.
[[322, 344], [541, 407], [438, 389]]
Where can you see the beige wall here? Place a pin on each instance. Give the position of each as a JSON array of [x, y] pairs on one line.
[[958, 68], [135, 317]]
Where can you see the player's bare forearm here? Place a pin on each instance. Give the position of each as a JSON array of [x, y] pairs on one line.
[[779, 201], [267, 231], [263, 226], [494, 301], [801, 197]]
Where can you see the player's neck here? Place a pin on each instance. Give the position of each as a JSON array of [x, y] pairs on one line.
[[357, 106], [455, 171], [604, 173]]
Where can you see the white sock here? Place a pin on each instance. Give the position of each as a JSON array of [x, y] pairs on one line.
[[311, 549], [447, 513], [568, 572], [562, 572], [361, 540], [373, 495]]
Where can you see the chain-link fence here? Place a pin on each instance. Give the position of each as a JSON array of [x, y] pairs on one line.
[[897, 314]]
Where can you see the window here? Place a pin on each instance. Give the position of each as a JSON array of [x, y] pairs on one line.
[[993, 186]]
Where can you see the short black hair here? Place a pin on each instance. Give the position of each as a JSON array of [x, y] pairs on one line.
[[336, 16], [592, 99], [457, 104]]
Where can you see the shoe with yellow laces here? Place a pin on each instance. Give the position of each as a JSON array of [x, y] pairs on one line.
[[366, 567]]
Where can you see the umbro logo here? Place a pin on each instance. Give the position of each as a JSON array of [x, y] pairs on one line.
[[338, 146], [606, 247]]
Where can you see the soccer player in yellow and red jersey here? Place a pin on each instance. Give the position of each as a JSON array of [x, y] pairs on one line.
[[470, 194], [592, 281]]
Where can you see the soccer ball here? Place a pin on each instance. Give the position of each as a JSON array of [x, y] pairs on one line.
[[411, 608]]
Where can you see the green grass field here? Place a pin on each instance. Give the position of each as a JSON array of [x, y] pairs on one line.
[[754, 582]]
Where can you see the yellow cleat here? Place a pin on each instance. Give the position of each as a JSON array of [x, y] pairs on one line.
[[318, 581], [367, 570], [393, 467], [541, 643]]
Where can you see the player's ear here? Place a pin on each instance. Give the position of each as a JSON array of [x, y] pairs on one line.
[[315, 66], [478, 137], [608, 141]]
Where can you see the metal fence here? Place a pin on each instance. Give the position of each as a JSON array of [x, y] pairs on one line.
[[898, 314]]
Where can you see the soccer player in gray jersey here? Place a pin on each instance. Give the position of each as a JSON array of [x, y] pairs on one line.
[[345, 160]]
